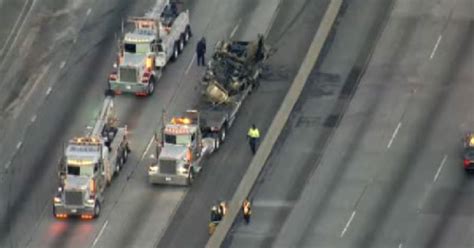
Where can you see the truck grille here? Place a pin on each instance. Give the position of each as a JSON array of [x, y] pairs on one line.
[[73, 197], [128, 74], [168, 166]]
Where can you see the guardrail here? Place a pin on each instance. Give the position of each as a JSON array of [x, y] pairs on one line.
[[278, 123]]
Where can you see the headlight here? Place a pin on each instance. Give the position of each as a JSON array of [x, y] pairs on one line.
[[182, 170], [153, 169], [90, 201], [57, 199]]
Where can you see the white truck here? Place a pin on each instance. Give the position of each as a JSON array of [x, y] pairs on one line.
[[88, 166], [180, 151], [157, 38]]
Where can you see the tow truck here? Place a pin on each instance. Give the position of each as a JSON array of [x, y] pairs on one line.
[[88, 165], [157, 38], [468, 153], [180, 151]]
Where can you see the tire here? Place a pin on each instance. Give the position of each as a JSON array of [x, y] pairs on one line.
[[223, 133], [119, 164], [217, 142], [188, 32], [125, 154], [175, 52], [191, 176], [151, 86], [97, 209], [186, 35], [181, 44]]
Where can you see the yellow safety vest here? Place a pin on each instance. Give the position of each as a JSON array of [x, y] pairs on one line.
[[254, 133]]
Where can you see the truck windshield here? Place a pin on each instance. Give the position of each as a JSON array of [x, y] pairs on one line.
[[139, 48], [183, 139], [84, 170]]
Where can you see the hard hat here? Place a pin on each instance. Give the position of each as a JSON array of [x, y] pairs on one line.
[[214, 208]]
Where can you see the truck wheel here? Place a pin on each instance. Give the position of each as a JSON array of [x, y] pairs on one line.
[[191, 176], [188, 33], [223, 133], [181, 44], [97, 209], [118, 164], [125, 155], [217, 142], [151, 86], [175, 52]]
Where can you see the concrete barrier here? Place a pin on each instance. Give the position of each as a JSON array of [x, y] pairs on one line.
[[277, 125]]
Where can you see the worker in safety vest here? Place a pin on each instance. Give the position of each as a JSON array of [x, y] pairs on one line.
[[246, 210], [253, 136]]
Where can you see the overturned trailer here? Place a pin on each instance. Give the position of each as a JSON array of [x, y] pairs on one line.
[[232, 73]]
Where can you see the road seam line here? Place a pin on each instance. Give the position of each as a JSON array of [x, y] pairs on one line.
[[436, 46], [100, 233], [191, 63], [348, 224], [235, 28], [395, 132], [147, 147], [49, 90], [440, 167]]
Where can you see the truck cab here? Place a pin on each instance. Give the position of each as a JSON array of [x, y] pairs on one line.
[[81, 179], [179, 152], [136, 70], [157, 38]]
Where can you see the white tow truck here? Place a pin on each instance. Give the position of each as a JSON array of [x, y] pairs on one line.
[[157, 38], [88, 165], [180, 151]]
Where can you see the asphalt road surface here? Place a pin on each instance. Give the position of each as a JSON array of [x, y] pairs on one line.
[[291, 33], [390, 173], [52, 88]]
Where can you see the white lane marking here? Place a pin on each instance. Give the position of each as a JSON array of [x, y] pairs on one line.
[[394, 135], [191, 63], [12, 31], [100, 233], [235, 29], [88, 12], [8, 165], [400, 245], [147, 147], [63, 63], [440, 167], [19, 145], [273, 204], [348, 224], [33, 119], [49, 90], [435, 47]]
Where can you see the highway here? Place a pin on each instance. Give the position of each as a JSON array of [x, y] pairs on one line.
[[55, 75], [385, 168], [291, 34]]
